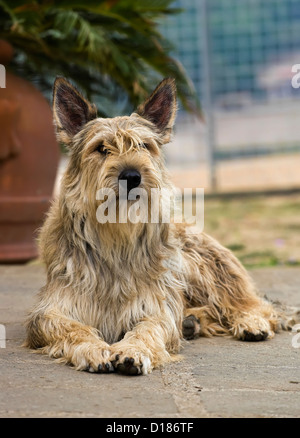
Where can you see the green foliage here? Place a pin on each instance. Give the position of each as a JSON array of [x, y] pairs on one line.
[[112, 49]]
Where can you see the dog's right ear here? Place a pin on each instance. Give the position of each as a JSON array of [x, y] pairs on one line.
[[71, 110]]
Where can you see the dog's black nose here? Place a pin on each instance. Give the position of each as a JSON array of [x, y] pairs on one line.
[[132, 176]]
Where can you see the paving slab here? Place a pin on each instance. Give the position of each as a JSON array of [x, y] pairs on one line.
[[217, 377]]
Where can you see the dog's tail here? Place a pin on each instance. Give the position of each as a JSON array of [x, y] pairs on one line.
[[288, 316]]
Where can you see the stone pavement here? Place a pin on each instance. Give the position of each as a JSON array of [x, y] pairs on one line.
[[218, 377]]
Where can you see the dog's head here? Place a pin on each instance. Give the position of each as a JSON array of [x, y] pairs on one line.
[[105, 152]]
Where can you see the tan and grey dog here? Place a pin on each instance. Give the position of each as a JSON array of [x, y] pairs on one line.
[[122, 296]]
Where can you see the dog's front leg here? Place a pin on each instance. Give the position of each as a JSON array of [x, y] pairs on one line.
[[147, 346], [69, 341]]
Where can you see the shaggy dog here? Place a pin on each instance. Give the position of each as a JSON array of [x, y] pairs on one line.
[[121, 296]]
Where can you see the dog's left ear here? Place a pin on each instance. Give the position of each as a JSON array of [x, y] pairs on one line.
[[160, 108], [71, 110]]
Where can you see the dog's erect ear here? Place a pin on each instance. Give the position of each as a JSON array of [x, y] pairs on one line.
[[160, 108], [71, 110]]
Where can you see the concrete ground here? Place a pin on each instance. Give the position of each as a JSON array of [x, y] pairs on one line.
[[218, 377]]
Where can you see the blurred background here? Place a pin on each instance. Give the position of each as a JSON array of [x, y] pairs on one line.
[[239, 54], [238, 129]]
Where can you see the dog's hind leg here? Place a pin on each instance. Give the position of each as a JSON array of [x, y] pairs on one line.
[[202, 321], [256, 324], [68, 341], [223, 293]]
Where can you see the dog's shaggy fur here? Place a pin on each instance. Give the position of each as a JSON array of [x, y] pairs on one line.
[[122, 296]]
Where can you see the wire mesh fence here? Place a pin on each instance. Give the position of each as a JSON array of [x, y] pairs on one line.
[[239, 54]]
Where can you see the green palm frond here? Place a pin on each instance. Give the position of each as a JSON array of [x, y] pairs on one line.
[[107, 47]]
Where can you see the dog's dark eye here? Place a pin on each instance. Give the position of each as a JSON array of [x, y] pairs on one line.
[[144, 145], [101, 149]]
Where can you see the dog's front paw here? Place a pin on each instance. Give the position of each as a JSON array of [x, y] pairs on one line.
[[131, 363], [93, 360]]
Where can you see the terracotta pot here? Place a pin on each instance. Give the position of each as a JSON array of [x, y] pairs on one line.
[[29, 157]]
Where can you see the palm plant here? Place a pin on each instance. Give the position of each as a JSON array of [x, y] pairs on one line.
[[112, 49]]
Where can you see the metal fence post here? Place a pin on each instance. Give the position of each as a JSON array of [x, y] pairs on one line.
[[207, 95]]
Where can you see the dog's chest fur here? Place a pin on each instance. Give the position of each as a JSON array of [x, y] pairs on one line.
[[133, 289]]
